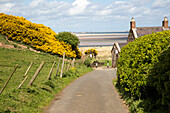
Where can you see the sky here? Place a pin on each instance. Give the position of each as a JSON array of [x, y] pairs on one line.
[[89, 15]]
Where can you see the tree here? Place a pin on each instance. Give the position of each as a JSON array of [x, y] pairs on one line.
[[68, 38]]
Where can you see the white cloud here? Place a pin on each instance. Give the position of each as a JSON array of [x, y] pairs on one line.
[[8, 0], [6, 7], [79, 7], [36, 3], [82, 12], [161, 3], [128, 8]]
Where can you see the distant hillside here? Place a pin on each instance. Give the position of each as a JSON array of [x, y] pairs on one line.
[[37, 36]]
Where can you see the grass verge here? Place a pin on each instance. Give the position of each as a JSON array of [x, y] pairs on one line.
[[32, 99]]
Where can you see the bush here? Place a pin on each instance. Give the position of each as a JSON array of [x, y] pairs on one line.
[[159, 81], [135, 62], [38, 36], [93, 52], [70, 39], [87, 61]]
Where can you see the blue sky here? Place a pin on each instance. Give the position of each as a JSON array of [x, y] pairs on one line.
[[89, 15]]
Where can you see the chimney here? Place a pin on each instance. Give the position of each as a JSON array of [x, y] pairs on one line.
[[132, 24], [165, 23]]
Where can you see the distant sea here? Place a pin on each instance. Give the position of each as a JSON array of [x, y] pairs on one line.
[[91, 39]]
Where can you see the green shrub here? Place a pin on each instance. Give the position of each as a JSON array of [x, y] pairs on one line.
[[159, 81], [135, 62], [71, 72], [70, 39], [87, 61]]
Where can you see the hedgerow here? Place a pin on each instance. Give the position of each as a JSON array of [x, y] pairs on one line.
[[136, 62], [36, 35], [159, 82]]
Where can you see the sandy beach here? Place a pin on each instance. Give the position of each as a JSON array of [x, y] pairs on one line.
[[85, 36], [99, 39], [104, 52], [102, 42]]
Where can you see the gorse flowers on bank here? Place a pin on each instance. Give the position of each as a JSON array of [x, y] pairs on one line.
[[36, 35]]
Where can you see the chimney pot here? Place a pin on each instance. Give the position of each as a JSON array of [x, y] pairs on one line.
[[165, 23], [132, 19], [165, 19], [132, 24]]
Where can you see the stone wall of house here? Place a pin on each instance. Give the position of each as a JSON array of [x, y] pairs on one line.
[[131, 37]]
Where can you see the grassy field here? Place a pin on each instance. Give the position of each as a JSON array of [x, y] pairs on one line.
[[31, 99]]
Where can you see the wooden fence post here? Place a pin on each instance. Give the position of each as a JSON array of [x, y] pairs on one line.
[[25, 75], [28, 69], [68, 65], [62, 65], [36, 73], [23, 81], [58, 67], [65, 66], [73, 62], [8, 79], [49, 75]]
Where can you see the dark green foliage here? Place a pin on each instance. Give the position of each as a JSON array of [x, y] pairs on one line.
[[69, 38], [159, 81], [136, 61], [87, 61]]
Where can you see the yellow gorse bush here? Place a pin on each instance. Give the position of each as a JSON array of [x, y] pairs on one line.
[[93, 52], [37, 35]]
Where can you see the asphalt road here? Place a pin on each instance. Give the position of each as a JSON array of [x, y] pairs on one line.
[[91, 93]]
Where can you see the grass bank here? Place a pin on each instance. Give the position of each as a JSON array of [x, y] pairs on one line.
[[33, 98]]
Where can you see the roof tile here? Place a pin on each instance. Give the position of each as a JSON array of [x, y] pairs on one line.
[[141, 31]]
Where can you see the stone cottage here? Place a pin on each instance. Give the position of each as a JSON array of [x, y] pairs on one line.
[[136, 32], [115, 52]]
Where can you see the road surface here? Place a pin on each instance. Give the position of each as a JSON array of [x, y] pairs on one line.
[[91, 93]]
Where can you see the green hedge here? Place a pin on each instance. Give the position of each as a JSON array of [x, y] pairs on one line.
[[158, 89], [136, 61]]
